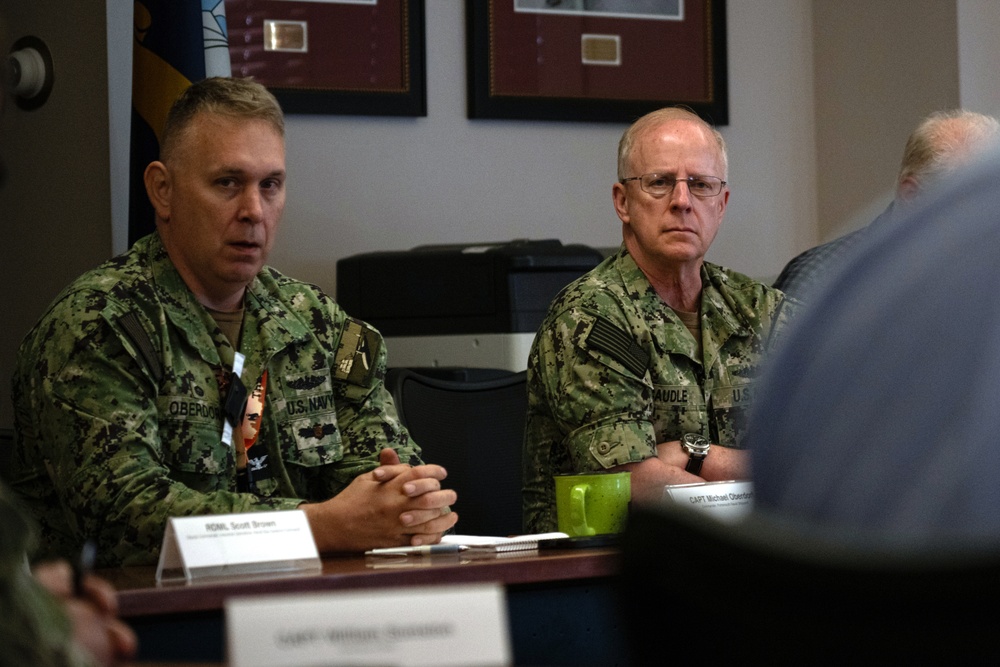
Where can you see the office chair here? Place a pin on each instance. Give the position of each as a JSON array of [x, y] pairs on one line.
[[475, 430], [6, 452], [763, 591]]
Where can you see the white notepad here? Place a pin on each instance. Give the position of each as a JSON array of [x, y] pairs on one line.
[[501, 544]]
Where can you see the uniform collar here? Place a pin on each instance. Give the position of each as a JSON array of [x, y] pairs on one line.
[[180, 305], [720, 314], [267, 327]]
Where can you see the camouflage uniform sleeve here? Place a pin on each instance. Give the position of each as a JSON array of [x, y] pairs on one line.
[[587, 409], [366, 414], [92, 422]]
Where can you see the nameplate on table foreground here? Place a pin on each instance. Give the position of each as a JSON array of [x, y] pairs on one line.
[[221, 545], [418, 626], [726, 501]]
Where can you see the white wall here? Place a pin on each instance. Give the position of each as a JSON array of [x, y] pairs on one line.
[[979, 55], [880, 67], [771, 137], [361, 184]]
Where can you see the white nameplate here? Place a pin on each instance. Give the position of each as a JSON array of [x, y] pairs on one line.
[[726, 501], [220, 545], [407, 627]]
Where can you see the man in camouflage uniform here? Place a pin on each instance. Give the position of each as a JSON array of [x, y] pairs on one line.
[[654, 343], [129, 390]]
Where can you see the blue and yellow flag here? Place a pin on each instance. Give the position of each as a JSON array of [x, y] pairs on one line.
[[176, 42]]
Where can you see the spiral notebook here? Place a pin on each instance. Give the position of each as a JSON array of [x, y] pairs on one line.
[[500, 544]]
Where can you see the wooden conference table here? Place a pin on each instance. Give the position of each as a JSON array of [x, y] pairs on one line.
[[562, 605]]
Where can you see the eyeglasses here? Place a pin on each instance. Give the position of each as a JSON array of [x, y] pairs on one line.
[[661, 184]]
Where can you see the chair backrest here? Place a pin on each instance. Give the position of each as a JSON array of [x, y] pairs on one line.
[[6, 452], [765, 592], [475, 430]]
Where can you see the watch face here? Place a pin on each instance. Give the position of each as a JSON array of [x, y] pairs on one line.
[[695, 444]]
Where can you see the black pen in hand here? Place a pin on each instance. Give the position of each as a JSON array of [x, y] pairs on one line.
[[83, 566]]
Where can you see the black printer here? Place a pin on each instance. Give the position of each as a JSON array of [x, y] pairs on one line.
[[441, 290]]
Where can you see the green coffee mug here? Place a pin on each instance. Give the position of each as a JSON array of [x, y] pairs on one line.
[[593, 503]]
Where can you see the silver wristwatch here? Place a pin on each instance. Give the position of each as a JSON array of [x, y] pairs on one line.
[[696, 447]]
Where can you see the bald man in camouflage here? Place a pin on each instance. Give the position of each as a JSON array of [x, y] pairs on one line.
[[647, 363]]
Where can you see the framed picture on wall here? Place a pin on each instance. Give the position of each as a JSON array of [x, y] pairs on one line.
[[596, 60], [359, 57]]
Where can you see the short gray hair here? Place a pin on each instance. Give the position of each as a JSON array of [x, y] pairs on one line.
[[944, 140], [654, 118]]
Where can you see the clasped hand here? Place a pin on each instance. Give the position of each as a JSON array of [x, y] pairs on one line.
[[394, 505]]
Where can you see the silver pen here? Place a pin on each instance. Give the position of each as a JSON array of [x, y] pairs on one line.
[[425, 550]]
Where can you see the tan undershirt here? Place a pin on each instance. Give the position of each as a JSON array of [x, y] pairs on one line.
[[693, 323], [230, 323]]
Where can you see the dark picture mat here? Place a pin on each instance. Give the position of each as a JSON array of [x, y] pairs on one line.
[[362, 59], [527, 65]]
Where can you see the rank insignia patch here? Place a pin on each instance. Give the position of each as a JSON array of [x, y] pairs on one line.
[[355, 359]]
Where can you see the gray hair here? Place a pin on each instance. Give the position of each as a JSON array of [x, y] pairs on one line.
[[943, 141], [654, 118]]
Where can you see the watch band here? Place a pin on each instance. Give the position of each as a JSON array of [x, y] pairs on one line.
[[697, 447], [694, 465]]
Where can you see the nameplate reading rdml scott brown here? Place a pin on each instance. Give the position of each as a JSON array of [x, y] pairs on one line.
[[221, 545]]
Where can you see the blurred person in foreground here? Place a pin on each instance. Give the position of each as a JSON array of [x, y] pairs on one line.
[[878, 414], [647, 364], [185, 377], [942, 142], [46, 622]]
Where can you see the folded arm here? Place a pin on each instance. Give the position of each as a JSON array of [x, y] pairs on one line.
[[668, 467]]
